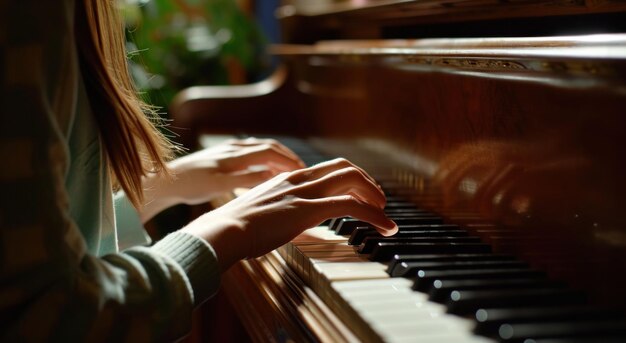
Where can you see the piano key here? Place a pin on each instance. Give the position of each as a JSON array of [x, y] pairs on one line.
[[400, 210], [400, 205], [334, 275], [345, 226], [360, 233], [397, 259], [408, 213], [464, 302], [441, 289], [369, 243], [489, 320], [597, 329], [316, 235], [372, 298], [399, 314], [432, 227], [393, 199], [385, 251], [351, 271], [409, 269], [326, 247], [425, 278]]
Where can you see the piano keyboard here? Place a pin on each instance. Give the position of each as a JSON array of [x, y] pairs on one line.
[[436, 282], [351, 284]]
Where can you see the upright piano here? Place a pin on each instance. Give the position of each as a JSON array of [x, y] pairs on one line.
[[496, 128]]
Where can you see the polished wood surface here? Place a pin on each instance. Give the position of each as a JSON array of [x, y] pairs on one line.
[[306, 21], [520, 139], [447, 10]]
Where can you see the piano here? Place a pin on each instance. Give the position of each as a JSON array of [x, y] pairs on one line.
[[496, 129]]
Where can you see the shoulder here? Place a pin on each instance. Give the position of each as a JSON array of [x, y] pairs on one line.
[[38, 59]]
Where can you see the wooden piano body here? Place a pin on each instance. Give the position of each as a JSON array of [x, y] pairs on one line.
[[522, 135]]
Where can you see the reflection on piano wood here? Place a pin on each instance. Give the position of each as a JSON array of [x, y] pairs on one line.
[[501, 156], [432, 282]]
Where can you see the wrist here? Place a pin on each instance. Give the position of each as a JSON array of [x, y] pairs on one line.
[[225, 235], [157, 196]]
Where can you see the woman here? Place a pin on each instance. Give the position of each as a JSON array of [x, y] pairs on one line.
[[73, 127]]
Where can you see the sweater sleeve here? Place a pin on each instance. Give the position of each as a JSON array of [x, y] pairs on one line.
[[51, 288]]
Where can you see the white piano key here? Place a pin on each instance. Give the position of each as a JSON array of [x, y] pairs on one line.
[[397, 284], [398, 313], [334, 258], [351, 271], [318, 234], [327, 248], [388, 305]]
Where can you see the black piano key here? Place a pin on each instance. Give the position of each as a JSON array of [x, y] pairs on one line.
[[325, 222], [332, 225], [412, 213], [399, 205], [437, 227], [425, 278], [489, 320], [395, 211], [345, 226], [397, 259], [423, 234], [409, 269], [467, 302], [600, 330], [441, 289], [360, 233], [393, 198], [367, 230], [369, 243], [384, 251]]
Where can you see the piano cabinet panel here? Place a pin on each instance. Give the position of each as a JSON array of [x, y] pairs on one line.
[[544, 160], [306, 22]]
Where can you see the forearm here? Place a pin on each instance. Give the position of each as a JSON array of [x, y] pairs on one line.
[[224, 234], [158, 196]]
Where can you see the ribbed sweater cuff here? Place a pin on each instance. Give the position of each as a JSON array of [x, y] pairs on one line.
[[197, 258]]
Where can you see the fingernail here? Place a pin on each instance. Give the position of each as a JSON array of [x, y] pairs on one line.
[[392, 225], [392, 231], [258, 168]]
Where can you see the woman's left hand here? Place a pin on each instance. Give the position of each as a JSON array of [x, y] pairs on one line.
[[202, 176]]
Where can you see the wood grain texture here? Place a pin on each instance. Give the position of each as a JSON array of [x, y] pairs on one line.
[[536, 152]]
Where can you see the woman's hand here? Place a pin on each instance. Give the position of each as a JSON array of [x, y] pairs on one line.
[[201, 176], [278, 210]]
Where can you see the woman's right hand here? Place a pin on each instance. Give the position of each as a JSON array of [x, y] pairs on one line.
[[278, 210]]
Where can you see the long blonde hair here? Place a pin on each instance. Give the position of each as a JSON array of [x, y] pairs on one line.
[[128, 127]]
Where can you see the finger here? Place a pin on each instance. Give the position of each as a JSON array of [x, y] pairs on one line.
[[347, 205], [249, 142], [344, 181], [261, 155], [319, 170], [251, 177]]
